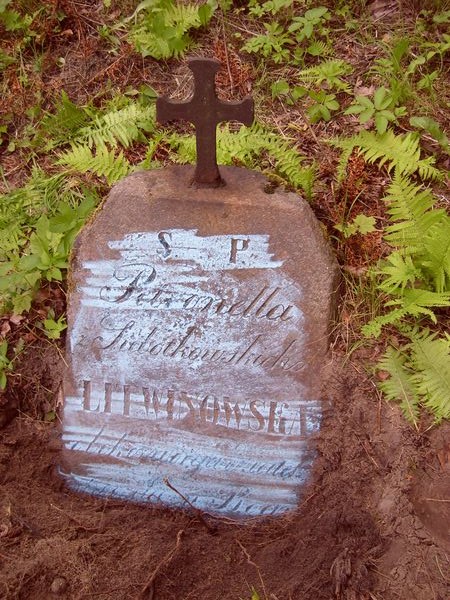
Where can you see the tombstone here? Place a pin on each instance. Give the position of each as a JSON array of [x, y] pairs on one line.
[[199, 307]]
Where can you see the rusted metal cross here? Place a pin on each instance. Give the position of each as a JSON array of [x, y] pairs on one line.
[[205, 111]]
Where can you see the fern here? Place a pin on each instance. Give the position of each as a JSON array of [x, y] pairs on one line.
[[64, 124], [398, 271], [416, 301], [330, 72], [162, 27], [105, 162], [419, 374], [431, 359], [416, 278], [90, 152], [436, 254], [253, 147], [409, 207], [399, 386], [399, 152], [122, 126]]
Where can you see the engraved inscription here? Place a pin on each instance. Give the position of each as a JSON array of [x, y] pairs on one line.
[[194, 373], [244, 414]]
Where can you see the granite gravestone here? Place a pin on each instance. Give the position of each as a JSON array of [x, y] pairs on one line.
[[198, 313]]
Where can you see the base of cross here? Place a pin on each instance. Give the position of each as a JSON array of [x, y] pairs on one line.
[[199, 180]]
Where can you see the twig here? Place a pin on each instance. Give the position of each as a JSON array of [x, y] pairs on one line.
[[211, 528], [440, 570], [251, 562], [148, 587], [225, 49], [76, 521], [436, 499]]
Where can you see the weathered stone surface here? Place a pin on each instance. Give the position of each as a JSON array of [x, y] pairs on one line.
[[198, 324]]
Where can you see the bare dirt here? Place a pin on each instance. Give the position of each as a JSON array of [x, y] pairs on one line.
[[370, 526]]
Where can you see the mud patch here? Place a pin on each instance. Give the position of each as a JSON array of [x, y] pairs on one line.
[[358, 533]]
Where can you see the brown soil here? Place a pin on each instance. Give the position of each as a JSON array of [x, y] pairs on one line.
[[371, 525]]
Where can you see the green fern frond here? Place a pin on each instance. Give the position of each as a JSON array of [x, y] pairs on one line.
[[374, 327], [430, 357], [183, 16], [400, 386], [436, 254], [398, 271], [122, 126], [412, 302], [289, 164], [153, 45], [79, 159], [399, 152], [64, 124], [409, 208], [254, 142], [103, 163], [416, 301]]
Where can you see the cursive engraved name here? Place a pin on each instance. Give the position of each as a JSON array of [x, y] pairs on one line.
[[135, 285], [134, 338]]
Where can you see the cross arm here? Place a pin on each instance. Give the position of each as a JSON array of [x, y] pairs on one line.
[[169, 110], [238, 110]]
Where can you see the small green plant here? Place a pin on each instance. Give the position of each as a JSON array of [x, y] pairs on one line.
[[53, 328], [6, 364], [290, 41], [317, 82], [274, 43], [360, 224], [14, 21], [310, 23], [272, 7], [328, 73], [38, 250], [323, 105], [434, 129], [381, 109], [162, 28]]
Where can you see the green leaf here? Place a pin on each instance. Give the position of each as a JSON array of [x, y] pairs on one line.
[[280, 88], [398, 271], [433, 128], [443, 17], [431, 359], [366, 115], [314, 14], [399, 386], [381, 99], [205, 13], [3, 5], [22, 302], [381, 123], [364, 223]]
